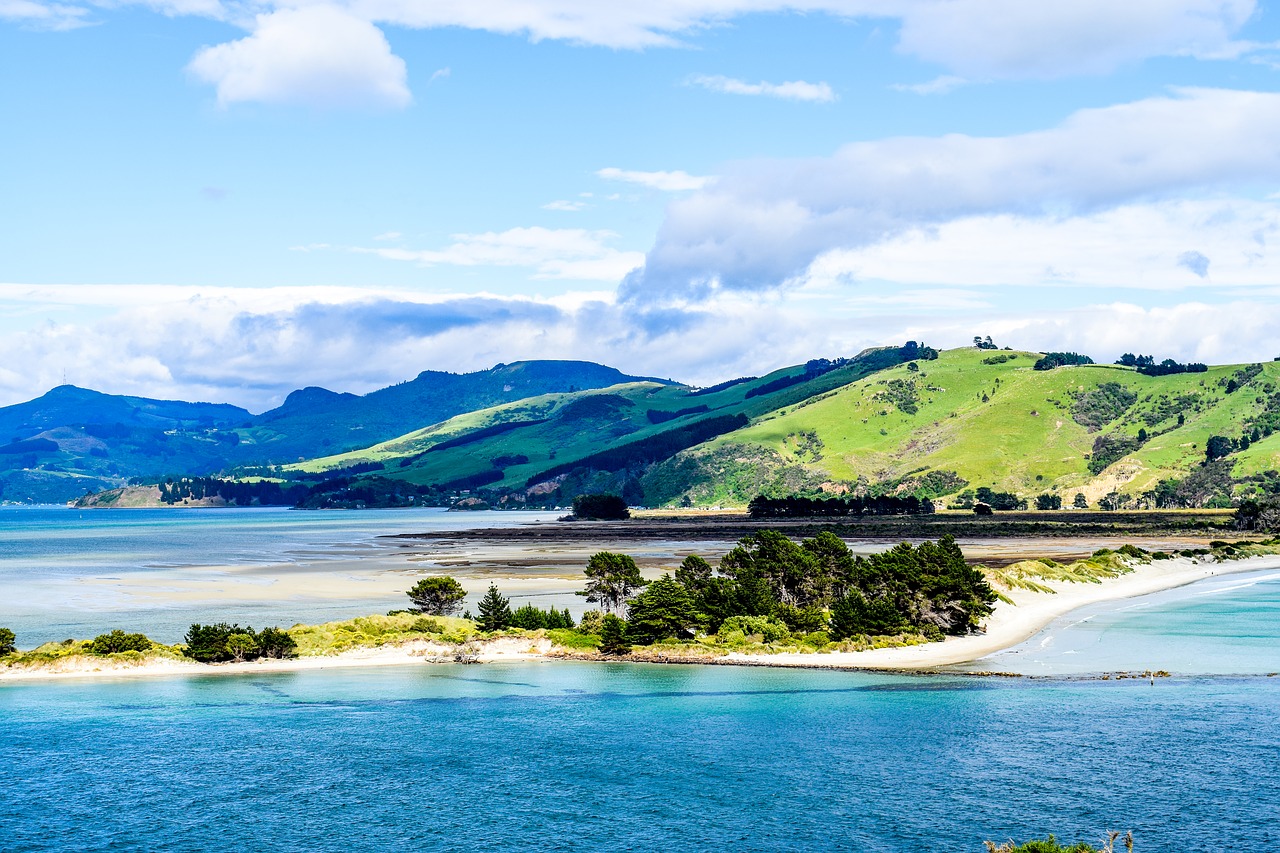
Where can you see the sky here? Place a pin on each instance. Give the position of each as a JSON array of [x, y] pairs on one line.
[[226, 201]]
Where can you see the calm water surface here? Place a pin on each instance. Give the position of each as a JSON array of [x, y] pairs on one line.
[[624, 757]]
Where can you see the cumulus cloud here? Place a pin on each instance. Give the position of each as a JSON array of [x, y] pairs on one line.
[[331, 52], [668, 182], [317, 55], [981, 38], [1013, 38], [1140, 246], [763, 222], [794, 90], [252, 346], [553, 253]]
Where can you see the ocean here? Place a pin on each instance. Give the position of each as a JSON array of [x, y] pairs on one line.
[[572, 756], [575, 756]]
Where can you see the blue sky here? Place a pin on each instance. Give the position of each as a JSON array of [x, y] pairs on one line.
[[229, 200]]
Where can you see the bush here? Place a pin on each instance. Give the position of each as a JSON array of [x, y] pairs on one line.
[[118, 641], [770, 631], [591, 622], [423, 625], [7, 640]]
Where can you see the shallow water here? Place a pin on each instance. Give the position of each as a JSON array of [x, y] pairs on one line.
[[596, 756], [75, 573], [1222, 625]]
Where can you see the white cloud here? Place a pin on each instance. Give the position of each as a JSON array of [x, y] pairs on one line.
[[564, 205], [1015, 38], [553, 253], [44, 16], [937, 86], [318, 55], [670, 182], [439, 74], [978, 38], [763, 222], [1151, 246], [794, 90], [389, 235]]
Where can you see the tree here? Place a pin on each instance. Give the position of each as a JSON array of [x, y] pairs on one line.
[[600, 507], [662, 611], [495, 611], [119, 641], [1047, 501], [1080, 502], [1217, 447], [7, 640], [208, 643], [274, 643], [437, 596], [694, 573], [611, 579], [613, 636], [241, 647]]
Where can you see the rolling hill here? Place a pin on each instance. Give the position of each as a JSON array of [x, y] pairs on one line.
[[73, 440]]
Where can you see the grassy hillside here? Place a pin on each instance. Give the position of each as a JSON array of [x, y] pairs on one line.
[[991, 420], [556, 445], [73, 440]]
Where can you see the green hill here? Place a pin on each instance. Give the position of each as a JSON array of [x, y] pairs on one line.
[[552, 447], [980, 418], [73, 440]]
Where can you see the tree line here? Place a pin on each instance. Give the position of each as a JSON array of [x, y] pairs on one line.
[[802, 507]]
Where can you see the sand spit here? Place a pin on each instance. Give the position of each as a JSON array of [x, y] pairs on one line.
[[1008, 626]]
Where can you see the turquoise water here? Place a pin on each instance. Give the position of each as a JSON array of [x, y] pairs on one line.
[[624, 757], [1219, 626]]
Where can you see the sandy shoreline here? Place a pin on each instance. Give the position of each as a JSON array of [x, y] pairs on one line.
[[1007, 627]]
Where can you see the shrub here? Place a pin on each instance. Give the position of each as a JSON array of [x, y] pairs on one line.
[[423, 625], [591, 621], [7, 640], [118, 641], [770, 630]]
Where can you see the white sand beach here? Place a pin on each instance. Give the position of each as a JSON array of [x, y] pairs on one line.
[[1031, 613], [1008, 626]]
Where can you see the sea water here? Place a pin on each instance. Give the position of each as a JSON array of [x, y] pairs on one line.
[[575, 756]]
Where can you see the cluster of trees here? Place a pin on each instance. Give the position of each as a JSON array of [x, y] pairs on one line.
[[1061, 359], [980, 342], [495, 614], [368, 493], [801, 507], [1220, 446], [261, 493], [223, 642], [813, 585], [1146, 365], [1263, 516], [600, 508], [988, 499], [1048, 501]]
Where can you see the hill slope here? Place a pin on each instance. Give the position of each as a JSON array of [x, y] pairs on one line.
[[73, 440], [977, 418], [551, 447]]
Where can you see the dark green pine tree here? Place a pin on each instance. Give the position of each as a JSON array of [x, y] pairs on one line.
[[613, 636], [662, 611], [495, 611]]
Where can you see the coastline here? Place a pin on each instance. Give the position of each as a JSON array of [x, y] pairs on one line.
[[1008, 626]]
